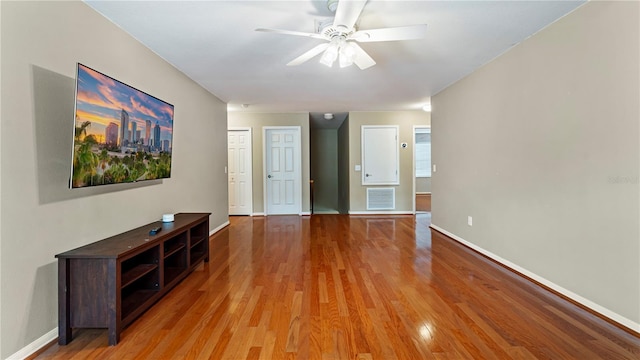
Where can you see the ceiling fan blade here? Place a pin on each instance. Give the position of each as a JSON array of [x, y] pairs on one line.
[[296, 33], [348, 12], [391, 34], [308, 55], [362, 59]]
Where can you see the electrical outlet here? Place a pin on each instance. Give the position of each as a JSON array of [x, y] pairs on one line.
[[469, 220]]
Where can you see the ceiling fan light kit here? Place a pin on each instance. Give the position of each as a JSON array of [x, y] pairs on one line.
[[341, 37], [339, 49], [330, 54], [347, 54]]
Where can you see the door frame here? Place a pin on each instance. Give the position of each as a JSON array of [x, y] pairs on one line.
[[250, 161], [413, 161], [265, 187]]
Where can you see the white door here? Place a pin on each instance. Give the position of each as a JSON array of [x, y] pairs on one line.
[[380, 156], [240, 187], [283, 193]]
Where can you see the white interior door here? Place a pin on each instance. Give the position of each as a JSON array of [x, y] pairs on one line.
[[240, 186], [380, 156], [283, 194]]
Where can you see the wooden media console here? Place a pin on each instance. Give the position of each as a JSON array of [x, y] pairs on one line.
[[109, 283]]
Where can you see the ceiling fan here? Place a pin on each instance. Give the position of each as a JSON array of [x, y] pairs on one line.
[[342, 37]]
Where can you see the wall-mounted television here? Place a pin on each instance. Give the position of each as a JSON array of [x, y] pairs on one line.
[[121, 134]]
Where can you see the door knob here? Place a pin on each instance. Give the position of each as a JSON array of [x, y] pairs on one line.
[[269, 176], [367, 175]]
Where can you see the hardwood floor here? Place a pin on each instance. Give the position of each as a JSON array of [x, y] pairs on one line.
[[340, 287], [423, 202]]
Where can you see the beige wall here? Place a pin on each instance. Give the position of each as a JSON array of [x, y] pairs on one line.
[[541, 147], [406, 120], [423, 184], [343, 167], [40, 216], [256, 121]]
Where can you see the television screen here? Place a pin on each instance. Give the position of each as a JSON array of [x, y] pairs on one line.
[[121, 134]]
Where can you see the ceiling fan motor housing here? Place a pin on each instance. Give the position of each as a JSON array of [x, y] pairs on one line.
[[333, 32]]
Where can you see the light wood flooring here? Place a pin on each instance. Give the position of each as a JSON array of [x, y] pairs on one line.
[[340, 287]]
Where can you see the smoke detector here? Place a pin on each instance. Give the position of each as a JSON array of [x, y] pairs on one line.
[[332, 5]]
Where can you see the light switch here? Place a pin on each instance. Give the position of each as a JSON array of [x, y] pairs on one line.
[[434, 167], [358, 168]]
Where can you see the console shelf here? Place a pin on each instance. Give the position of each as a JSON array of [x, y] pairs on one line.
[[109, 283], [136, 273], [197, 241], [132, 302], [170, 250]]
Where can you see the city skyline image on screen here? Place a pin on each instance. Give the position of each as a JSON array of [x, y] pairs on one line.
[[121, 134]]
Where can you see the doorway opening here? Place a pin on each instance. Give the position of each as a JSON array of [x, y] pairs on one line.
[[422, 169], [328, 157]]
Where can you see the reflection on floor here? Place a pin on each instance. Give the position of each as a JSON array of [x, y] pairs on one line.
[[353, 287]]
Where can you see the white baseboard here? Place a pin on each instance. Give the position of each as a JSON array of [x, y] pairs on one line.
[[304, 213], [571, 295], [222, 226], [380, 212], [38, 344], [326, 212]]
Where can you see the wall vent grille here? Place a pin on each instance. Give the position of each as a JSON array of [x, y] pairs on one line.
[[381, 198]]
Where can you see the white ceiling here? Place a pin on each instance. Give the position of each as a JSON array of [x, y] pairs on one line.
[[214, 43]]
